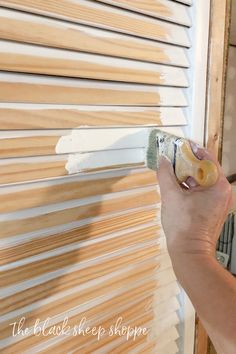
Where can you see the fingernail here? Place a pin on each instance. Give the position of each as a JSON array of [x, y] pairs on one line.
[[192, 183], [195, 147]]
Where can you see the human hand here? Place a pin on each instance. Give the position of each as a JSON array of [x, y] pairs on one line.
[[192, 218]]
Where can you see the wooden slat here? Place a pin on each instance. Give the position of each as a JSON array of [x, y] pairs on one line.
[[33, 223], [58, 193], [22, 27], [108, 342], [122, 281], [26, 116], [87, 232], [82, 254], [114, 305], [167, 10], [59, 284], [102, 16], [36, 89], [41, 60]]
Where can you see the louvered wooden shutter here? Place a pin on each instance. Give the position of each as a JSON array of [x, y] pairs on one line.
[[87, 244]]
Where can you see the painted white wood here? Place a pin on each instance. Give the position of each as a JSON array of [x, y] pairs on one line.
[[169, 96], [169, 75], [232, 37], [198, 75], [198, 55], [176, 55], [88, 140], [104, 159], [178, 13], [176, 34]]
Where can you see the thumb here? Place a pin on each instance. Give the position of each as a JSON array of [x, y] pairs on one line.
[[166, 178]]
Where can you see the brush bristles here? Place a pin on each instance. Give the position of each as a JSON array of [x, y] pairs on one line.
[[152, 162]]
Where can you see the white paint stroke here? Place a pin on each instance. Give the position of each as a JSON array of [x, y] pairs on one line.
[[104, 159]]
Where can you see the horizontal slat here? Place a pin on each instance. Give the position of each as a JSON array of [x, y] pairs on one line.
[[33, 223], [102, 16], [101, 144], [105, 321], [26, 116], [59, 193], [36, 89], [91, 231], [78, 255], [39, 291], [163, 9], [121, 280], [22, 27], [41, 60]]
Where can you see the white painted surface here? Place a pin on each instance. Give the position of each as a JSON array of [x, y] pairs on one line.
[[104, 159], [229, 136], [198, 56]]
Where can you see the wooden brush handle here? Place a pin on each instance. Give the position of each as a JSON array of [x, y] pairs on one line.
[[205, 172]]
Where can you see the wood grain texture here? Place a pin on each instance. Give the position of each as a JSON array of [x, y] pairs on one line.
[[91, 231], [25, 171], [36, 89], [217, 75], [69, 215], [232, 34], [78, 255], [59, 284], [58, 193], [102, 16], [106, 322], [23, 116], [26, 28], [63, 305], [167, 10], [29, 58]]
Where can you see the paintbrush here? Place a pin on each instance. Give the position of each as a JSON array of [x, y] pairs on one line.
[[179, 152], [94, 150]]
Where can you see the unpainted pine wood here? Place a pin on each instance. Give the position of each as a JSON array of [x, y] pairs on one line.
[[26, 58], [36, 89], [91, 231], [168, 10], [82, 254], [82, 340], [218, 47], [25, 172], [34, 223], [123, 345], [58, 193], [27, 28], [28, 146], [64, 304], [139, 319], [13, 116], [66, 281], [102, 16]]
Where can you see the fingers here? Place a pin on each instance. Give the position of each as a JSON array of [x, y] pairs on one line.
[[166, 177]]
